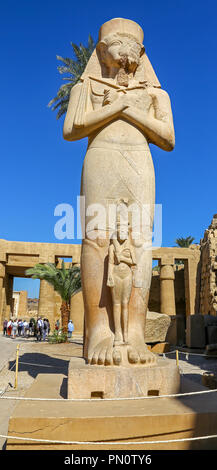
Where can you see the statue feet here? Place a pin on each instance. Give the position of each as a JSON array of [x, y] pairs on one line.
[[138, 353], [110, 352], [105, 353]]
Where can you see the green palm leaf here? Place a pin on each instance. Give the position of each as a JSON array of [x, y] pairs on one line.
[[65, 281], [184, 242], [73, 69]]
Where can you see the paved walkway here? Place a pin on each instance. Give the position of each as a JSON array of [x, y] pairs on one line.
[[43, 357], [7, 349], [34, 358]]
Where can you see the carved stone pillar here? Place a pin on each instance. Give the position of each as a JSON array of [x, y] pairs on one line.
[[2, 276], [77, 312], [46, 301], [167, 277], [9, 296]]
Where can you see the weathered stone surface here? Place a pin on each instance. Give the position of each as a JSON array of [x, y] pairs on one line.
[[111, 421], [208, 291], [156, 328], [210, 320], [211, 334], [86, 381], [120, 106], [195, 331], [176, 330]]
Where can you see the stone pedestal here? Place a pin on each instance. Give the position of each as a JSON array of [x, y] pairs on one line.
[[91, 381]]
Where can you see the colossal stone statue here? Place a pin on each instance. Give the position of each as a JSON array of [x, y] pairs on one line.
[[119, 105]]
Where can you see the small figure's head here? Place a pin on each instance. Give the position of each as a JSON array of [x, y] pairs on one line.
[[120, 44], [122, 231]]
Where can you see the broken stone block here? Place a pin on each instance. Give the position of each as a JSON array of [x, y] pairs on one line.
[[157, 325]]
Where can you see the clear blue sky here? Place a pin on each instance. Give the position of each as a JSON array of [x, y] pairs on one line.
[[40, 170]]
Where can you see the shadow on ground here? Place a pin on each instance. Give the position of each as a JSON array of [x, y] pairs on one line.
[[37, 363]]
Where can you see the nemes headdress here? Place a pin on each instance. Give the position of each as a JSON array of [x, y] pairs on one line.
[[145, 71], [123, 26], [144, 74]]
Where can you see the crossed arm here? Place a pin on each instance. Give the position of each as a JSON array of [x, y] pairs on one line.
[[156, 124]]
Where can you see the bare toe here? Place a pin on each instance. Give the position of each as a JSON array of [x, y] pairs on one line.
[[143, 358], [133, 356], [116, 356], [101, 358], [94, 358], [108, 357]]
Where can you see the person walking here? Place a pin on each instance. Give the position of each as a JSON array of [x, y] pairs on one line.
[[39, 329], [31, 327], [5, 327], [9, 327], [70, 328], [48, 327], [19, 327], [45, 328], [25, 328], [14, 325]]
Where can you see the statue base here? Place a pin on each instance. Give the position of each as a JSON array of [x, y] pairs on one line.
[[95, 381]]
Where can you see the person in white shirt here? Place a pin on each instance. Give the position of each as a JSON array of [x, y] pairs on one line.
[[14, 325]]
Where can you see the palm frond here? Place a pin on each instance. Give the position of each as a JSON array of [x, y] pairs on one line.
[[184, 242], [65, 281], [73, 69]]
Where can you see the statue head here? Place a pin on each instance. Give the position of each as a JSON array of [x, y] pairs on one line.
[[120, 44]]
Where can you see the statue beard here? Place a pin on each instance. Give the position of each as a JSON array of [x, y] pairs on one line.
[[128, 64]]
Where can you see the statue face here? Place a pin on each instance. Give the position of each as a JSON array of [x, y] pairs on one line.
[[121, 51], [122, 233]]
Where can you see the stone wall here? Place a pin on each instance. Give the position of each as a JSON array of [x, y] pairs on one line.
[[208, 288]]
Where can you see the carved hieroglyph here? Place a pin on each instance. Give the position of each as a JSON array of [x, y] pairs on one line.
[[121, 107]]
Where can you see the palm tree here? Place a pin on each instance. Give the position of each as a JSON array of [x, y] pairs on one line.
[[185, 242], [67, 282], [73, 69]]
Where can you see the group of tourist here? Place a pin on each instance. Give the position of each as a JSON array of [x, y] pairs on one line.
[[40, 328], [15, 327]]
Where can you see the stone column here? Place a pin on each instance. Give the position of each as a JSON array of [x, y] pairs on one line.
[[192, 282], [9, 296], [167, 277], [2, 275], [77, 312], [46, 301]]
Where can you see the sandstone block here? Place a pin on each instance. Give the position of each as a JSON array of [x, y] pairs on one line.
[[87, 381], [211, 334], [195, 331], [157, 325], [176, 330]]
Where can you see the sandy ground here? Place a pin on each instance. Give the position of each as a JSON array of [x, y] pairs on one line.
[[42, 357]]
